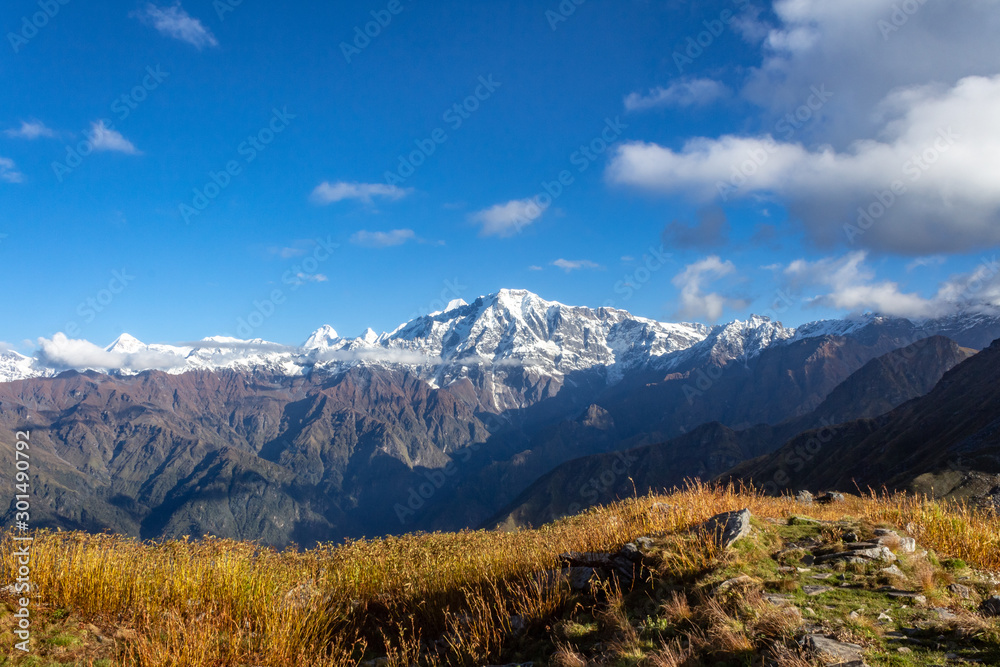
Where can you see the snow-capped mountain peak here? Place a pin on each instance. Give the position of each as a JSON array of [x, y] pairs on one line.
[[454, 304], [370, 336], [324, 337], [842, 327], [737, 340], [519, 328], [747, 339], [228, 340], [15, 366], [126, 344]]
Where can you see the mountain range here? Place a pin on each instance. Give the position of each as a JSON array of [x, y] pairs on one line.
[[440, 424], [713, 448], [943, 443]]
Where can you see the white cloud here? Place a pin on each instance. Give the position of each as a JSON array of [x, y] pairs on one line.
[[701, 164], [941, 146], [978, 290], [31, 130], [9, 172], [899, 73], [174, 22], [853, 286], [535, 267], [328, 193], [749, 25], [853, 289], [103, 138], [311, 277], [854, 48], [237, 345], [379, 354], [288, 252], [687, 93], [508, 219], [62, 352], [569, 265], [383, 239], [694, 303]]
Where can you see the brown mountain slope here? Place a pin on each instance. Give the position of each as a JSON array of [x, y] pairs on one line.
[[275, 459], [710, 449], [946, 443], [783, 382]]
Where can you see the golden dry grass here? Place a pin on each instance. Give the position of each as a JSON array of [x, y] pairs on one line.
[[220, 602], [567, 656], [669, 655]]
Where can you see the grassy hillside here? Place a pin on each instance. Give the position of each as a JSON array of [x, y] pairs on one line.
[[476, 598]]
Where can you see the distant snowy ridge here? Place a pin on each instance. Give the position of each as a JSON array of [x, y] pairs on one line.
[[16, 366], [512, 328]]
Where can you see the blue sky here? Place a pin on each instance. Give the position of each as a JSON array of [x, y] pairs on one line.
[[166, 97]]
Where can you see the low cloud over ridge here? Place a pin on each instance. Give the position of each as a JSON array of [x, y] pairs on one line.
[[63, 353], [852, 286]]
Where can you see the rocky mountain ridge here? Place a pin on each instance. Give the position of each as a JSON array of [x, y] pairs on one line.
[[513, 335]]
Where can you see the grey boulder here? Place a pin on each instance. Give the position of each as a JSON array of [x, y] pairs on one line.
[[990, 606], [831, 651], [728, 527]]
